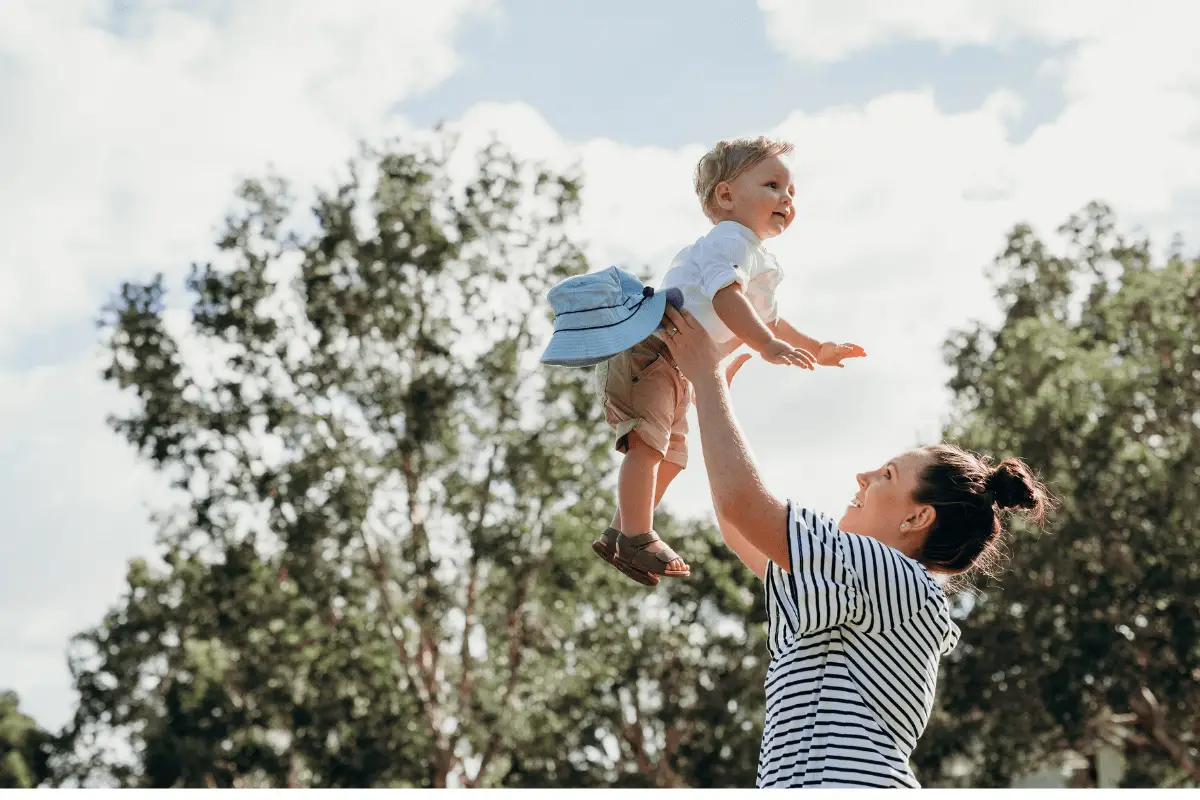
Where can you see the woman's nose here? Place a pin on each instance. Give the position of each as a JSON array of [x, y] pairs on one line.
[[862, 480]]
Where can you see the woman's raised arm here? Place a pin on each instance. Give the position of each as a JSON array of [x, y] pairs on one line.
[[739, 494]]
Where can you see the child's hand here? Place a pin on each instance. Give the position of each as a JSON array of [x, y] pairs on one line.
[[832, 353], [780, 352]]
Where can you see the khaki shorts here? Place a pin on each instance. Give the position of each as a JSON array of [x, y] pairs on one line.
[[645, 392]]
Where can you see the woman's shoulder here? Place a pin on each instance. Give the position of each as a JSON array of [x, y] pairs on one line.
[[818, 521], [866, 556]]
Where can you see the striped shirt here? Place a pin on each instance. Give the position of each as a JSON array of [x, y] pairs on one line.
[[855, 633]]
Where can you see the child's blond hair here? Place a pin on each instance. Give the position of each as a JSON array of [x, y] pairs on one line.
[[728, 159]]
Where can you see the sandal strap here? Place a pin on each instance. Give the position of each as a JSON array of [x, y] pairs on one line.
[[642, 540], [651, 543]]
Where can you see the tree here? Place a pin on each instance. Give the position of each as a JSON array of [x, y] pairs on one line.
[[1091, 636], [24, 747], [378, 572]]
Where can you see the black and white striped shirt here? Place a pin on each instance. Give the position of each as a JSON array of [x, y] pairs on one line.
[[855, 632]]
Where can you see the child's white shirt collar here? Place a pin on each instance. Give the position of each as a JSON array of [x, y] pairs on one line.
[[734, 226]]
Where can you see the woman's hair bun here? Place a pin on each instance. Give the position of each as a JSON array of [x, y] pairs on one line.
[[1014, 486]]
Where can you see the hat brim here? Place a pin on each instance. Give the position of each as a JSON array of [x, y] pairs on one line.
[[585, 348]]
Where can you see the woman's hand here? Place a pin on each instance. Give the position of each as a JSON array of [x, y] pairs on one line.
[[694, 351]]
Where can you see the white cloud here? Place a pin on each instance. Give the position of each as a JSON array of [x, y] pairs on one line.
[[1124, 68], [113, 146], [1129, 74], [121, 139], [814, 31]]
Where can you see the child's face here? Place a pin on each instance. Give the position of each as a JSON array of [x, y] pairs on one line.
[[761, 197]]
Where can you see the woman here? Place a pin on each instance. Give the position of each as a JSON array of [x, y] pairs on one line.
[[857, 621]]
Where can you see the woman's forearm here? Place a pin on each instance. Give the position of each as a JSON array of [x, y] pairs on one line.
[[739, 494]]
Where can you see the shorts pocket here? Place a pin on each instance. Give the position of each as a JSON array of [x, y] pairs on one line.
[[643, 362]]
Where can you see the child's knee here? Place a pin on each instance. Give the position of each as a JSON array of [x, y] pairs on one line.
[[637, 447]]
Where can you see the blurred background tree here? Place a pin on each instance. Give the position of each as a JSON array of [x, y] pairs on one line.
[[25, 748], [1090, 640]]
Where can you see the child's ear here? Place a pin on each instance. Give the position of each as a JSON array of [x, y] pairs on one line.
[[723, 194]]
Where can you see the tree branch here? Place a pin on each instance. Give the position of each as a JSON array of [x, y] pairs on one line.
[[1151, 719], [426, 703], [426, 648], [516, 637], [466, 678], [485, 496], [633, 734], [667, 776]]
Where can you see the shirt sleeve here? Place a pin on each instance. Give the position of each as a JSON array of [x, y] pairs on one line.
[[724, 260], [841, 579]]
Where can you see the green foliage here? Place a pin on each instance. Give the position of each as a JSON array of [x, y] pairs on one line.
[[1091, 636], [379, 571], [24, 747]]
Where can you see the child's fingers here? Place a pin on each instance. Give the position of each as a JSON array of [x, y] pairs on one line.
[[802, 357], [794, 358]]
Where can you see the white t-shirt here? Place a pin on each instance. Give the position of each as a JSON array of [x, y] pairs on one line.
[[856, 631], [729, 253]]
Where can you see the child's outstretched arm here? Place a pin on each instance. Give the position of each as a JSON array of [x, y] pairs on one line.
[[739, 316], [828, 354]]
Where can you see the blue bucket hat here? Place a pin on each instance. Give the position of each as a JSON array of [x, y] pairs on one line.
[[601, 314]]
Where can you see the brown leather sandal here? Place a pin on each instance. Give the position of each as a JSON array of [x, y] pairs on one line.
[[606, 548], [647, 555]]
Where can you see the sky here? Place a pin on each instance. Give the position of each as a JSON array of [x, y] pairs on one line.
[[924, 131]]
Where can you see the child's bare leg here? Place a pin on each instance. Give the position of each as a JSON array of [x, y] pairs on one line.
[[635, 487], [637, 497], [666, 472]]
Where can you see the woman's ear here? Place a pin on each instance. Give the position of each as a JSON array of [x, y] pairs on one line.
[[920, 520]]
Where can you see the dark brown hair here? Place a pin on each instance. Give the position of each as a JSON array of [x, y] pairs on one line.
[[970, 496]]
